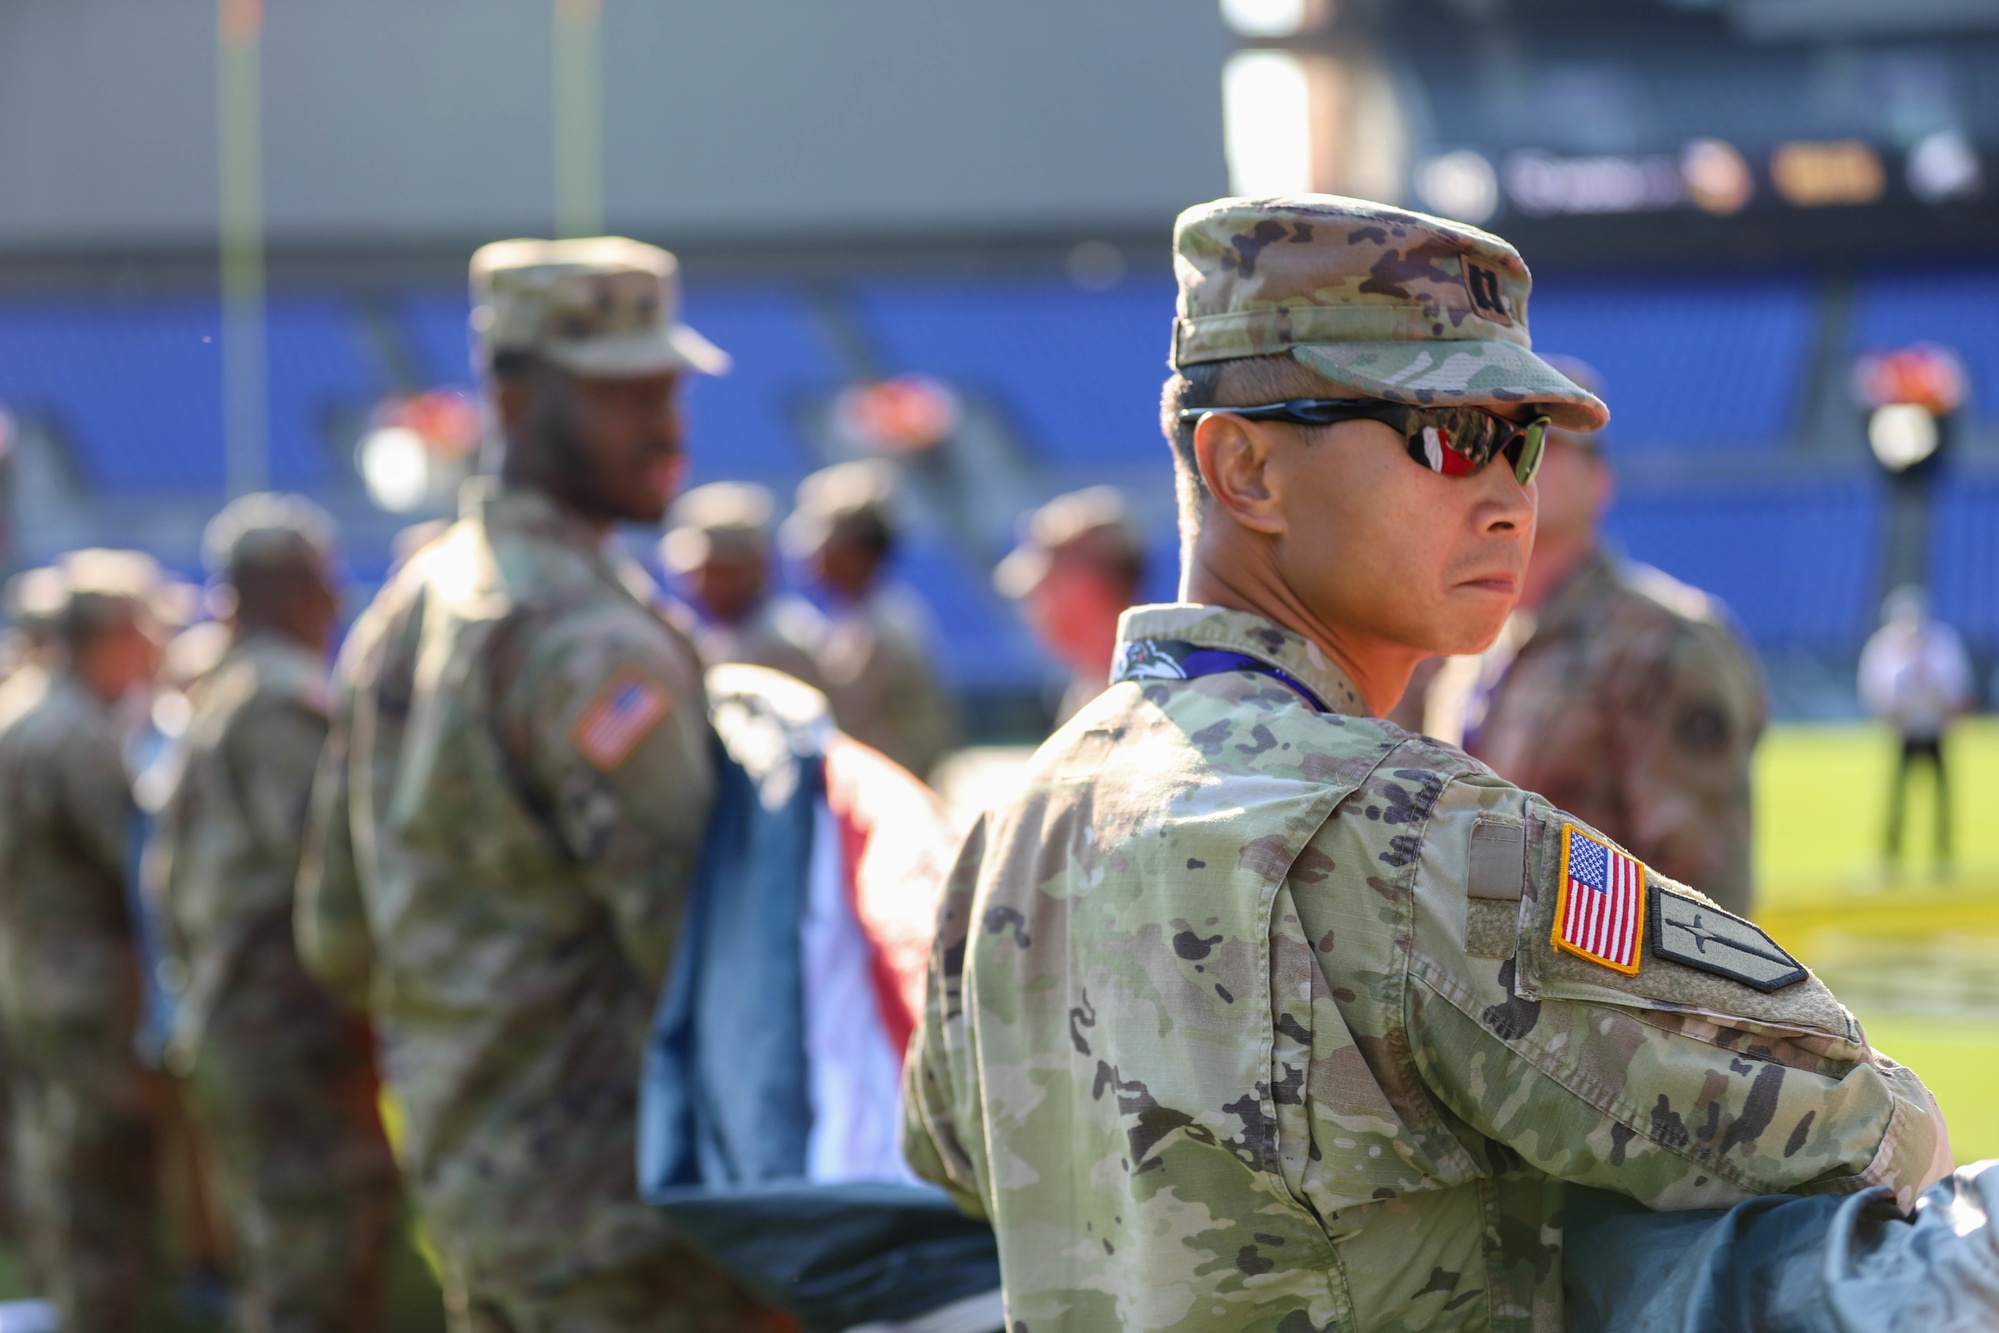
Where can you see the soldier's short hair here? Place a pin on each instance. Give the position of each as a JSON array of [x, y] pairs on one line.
[[1239, 382]]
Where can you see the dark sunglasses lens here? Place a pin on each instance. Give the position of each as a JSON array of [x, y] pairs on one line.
[[1455, 441]]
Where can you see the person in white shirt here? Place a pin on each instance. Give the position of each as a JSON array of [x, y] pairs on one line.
[[1915, 674]]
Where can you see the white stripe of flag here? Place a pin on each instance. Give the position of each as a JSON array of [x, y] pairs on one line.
[[1604, 888]]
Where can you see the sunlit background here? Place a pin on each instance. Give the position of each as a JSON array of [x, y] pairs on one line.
[[233, 238]]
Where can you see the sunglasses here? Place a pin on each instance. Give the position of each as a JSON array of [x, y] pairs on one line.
[[1453, 441]]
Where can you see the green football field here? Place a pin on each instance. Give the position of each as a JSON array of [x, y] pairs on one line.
[[1915, 953]]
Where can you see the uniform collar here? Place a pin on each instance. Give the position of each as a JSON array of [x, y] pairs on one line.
[[1243, 632], [522, 509]]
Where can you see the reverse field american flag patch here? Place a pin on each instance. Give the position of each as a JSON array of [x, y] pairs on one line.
[[624, 713], [1601, 912]]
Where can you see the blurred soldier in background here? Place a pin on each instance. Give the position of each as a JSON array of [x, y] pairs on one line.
[[280, 1082], [510, 807], [1077, 568], [873, 648], [34, 598], [1615, 691], [70, 965], [1915, 675], [718, 550]]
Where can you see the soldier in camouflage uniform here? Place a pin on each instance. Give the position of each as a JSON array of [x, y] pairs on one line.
[[1254, 1012], [510, 806], [1615, 691], [1076, 570], [872, 647], [719, 551], [70, 975], [280, 1081]]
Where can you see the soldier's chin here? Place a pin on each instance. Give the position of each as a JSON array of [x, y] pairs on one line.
[[1467, 631]]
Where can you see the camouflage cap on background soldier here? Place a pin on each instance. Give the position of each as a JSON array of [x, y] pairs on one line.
[[846, 499], [1401, 307], [605, 307], [96, 579], [266, 530], [723, 520], [1092, 525]]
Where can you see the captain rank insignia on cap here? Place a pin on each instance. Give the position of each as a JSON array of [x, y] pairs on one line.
[[1601, 912]]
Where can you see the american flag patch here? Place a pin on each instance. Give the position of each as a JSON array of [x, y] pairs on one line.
[[624, 713], [1601, 913]]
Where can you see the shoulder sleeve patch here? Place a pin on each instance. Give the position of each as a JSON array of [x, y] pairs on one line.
[[623, 714], [1703, 936], [1600, 907]]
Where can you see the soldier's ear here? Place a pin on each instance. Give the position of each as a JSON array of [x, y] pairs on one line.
[[1234, 457]]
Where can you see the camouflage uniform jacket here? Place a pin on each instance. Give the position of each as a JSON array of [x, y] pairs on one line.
[[226, 857], [1633, 705], [875, 659], [1218, 1038], [508, 812], [69, 963]]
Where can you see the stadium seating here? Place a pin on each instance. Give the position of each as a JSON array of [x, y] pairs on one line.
[[1955, 307], [1687, 363], [980, 640], [1796, 564], [136, 390], [1076, 373], [743, 424], [1964, 559]]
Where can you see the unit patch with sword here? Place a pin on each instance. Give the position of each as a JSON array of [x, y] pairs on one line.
[[1703, 936]]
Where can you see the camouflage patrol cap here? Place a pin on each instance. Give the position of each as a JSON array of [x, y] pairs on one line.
[[1386, 304], [842, 500], [606, 307], [266, 530], [34, 599], [724, 520], [96, 578], [1090, 525]]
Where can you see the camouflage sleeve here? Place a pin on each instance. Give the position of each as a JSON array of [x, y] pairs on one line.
[[1683, 1084], [330, 920], [611, 725], [939, 1104], [1683, 752], [275, 747], [96, 797]]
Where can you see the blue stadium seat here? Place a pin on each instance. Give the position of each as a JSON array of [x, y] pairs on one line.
[[1687, 363], [137, 388], [1955, 307], [1796, 564], [1964, 558], [980, 639], [740, 424], [1077, 373]]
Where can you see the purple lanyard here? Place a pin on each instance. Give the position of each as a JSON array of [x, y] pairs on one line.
[[1176, 659]]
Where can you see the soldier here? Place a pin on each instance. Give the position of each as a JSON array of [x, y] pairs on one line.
[[1617, 692], [510, 806], [1077, 568], [70, 972], [873, 648], [280, 1082], [1254, 1012], [719, 551]]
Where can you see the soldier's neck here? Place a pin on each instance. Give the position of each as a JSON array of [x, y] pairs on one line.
[[1379, 668]]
